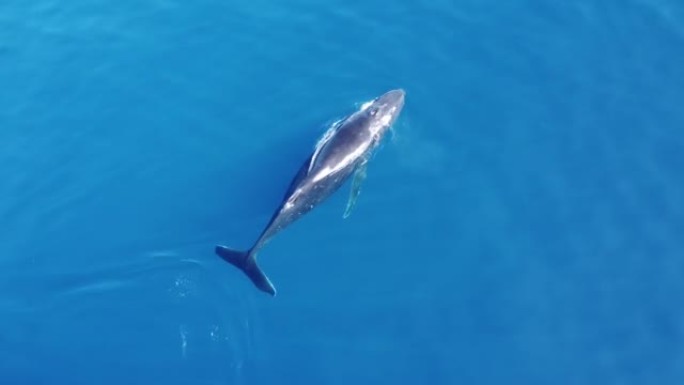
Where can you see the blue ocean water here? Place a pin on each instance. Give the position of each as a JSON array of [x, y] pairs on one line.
[[523, 225]]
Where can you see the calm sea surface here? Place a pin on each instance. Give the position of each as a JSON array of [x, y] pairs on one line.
[[523, 225]]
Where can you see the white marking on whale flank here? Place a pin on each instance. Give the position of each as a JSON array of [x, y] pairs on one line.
[[347, 160], [322, 141]]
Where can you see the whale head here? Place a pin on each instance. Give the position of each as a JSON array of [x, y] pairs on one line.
[[384, 110]]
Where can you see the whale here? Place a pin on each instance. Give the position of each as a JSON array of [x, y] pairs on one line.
[[341, 154]]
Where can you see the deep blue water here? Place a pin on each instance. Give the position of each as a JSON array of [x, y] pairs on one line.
[[524, 225]]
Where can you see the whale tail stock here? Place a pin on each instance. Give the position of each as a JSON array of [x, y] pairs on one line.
[[246, 261]]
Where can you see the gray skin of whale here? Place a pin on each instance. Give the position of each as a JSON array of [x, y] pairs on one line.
[[342, 152]]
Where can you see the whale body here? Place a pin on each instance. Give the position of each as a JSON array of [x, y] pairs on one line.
[[342, 153]]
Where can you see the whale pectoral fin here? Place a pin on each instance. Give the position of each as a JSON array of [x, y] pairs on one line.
[[359, 177]]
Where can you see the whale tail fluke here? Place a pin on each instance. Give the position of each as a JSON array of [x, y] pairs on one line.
[[246, 261]]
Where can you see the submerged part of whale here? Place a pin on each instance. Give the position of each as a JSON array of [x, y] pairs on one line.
[[341, 153]]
